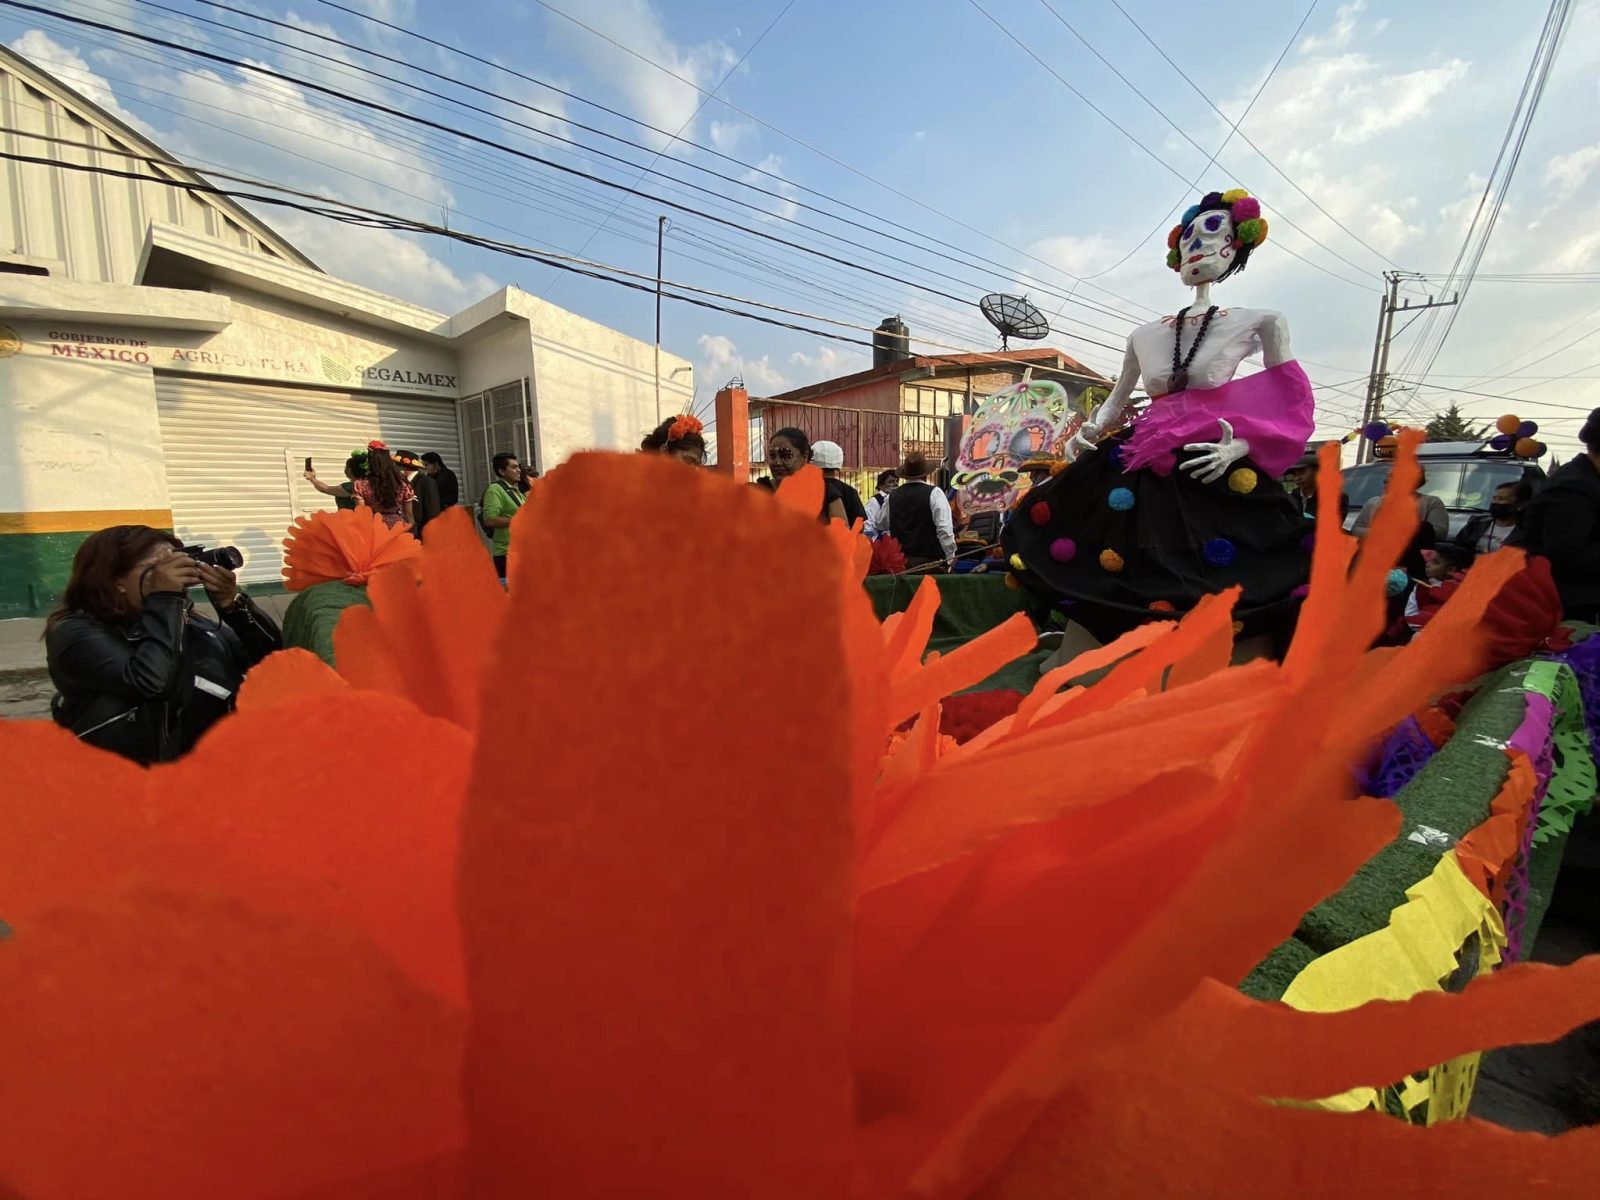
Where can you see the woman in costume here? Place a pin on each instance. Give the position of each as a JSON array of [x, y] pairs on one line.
[[679, 437], [355, 467], [787, 452], [385, 489], [1183, 501]]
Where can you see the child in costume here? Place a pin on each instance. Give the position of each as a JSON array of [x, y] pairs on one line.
[[1183, 501]]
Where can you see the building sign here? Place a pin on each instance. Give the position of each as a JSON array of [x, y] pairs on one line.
[[238, 351]]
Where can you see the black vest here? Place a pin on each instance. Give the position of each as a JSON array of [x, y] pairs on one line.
[[911, 520]]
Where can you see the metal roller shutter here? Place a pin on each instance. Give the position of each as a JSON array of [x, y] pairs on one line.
[[235, 455]]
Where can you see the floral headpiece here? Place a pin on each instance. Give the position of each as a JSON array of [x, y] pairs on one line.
[[375, 444], [359, 454], [682, 427], [1249, 226]]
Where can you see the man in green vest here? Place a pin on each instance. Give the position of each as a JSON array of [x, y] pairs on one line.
[[500, 503]]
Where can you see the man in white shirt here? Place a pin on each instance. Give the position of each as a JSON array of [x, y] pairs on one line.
[[1430, 510], [917, 515], [887, 482]]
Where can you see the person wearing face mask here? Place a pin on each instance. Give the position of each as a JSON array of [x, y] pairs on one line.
[[137, 670], [1150, 518], [1489, 531]]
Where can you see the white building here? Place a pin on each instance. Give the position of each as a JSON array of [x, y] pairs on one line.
[[167, 359]]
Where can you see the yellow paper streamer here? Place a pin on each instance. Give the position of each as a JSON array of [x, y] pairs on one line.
[[1416, 952]]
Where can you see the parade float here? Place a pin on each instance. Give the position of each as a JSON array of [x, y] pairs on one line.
[[670, 868]]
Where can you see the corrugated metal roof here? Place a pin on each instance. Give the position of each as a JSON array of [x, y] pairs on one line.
[[92, 227]]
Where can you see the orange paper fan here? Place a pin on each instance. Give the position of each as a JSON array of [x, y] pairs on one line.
[[346, 546]]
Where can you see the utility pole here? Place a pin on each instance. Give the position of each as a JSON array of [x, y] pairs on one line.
[[662, 225], [1378, 380]]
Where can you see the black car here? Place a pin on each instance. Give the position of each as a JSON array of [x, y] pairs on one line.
[[1463, 475]]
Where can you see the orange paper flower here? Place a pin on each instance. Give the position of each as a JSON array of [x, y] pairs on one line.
[[345, 546], [734, 940]]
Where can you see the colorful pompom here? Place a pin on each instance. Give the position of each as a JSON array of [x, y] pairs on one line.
[[1162, 606], [1249, 232], [1173, 259], [1173, 235], [1243, 481], [1111, 561], [1210, 199], [1398, 582], [1262, 221], [1246, 208], [1509, 423], [1120, 499], [1375, 430], [1016, 563], [1308, 543], [1527, 429], [1234, 195], [1189, 214], [1013, 582], [1039, 513], [1063, 549], [1219, 552]]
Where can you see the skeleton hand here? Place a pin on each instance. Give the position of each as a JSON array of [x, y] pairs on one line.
[[1078, 445], [1213, 459]]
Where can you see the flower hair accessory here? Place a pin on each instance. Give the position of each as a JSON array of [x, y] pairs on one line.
[[683, 426], [376, 444], [1249, 226]]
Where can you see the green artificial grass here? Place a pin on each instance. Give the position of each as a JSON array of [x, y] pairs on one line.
[[309, 620], [1276, 971]]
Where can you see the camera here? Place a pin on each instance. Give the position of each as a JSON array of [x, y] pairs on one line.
[[226, 557]]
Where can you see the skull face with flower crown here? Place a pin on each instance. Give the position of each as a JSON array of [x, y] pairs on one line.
[[1009, 427], [1216, 236]]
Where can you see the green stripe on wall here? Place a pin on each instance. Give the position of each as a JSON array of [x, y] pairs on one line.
[[34, 568]]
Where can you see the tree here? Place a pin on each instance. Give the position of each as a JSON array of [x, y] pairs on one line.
[[1451, 426]]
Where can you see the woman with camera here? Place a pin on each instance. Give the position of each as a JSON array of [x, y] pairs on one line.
[[137, 670]]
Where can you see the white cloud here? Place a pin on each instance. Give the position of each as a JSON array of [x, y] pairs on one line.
[[1339, 34], [660, 96], [1078, 255], [762, 177], [728, 136], [720, 361], [1581, 253], [392, 263], [1569, 172], [70, 67], [1398, 100], [829, 362], [398, 12]]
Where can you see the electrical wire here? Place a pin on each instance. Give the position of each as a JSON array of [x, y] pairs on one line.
[[345, 67], [1184, 200], [1201, 92], [1152, 155]]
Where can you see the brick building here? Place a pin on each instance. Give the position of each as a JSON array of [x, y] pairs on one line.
[[904, 402]]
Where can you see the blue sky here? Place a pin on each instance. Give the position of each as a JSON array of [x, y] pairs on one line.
[[928, 116]]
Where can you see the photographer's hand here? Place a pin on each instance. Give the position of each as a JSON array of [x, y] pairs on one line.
[[174, 573], [220, 584]]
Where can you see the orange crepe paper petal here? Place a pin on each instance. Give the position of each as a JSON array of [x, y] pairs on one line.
[[1050, 683], [288, 677], [1275, 1051], [431, 629], [801, 493], [1184, 1139], [1318, 627], [348, 546], [671, 1014], [905, 634], [946, 823], [279, 807], [189, 1048], [1487, 852], [962, 667]]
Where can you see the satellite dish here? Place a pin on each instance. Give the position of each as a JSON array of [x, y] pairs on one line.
[[1014, 317]]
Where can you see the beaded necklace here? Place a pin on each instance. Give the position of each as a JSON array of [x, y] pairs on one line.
[[1181, 361]]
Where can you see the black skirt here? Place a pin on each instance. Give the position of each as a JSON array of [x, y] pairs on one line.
[[1113, 549]]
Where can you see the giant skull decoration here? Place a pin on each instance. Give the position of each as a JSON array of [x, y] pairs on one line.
[[1008, 428]]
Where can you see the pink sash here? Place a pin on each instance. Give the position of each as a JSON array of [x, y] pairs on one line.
[[1272, 410]]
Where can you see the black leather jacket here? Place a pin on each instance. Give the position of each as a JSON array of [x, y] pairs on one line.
[[147, 689]]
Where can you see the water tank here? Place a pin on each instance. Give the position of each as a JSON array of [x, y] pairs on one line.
[[891, 342]]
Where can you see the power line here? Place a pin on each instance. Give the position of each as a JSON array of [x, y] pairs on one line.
[[1183, 200], [1201, 92], [345, 67], [765, 124], [1168, 167], [743, 58], [525, 154]]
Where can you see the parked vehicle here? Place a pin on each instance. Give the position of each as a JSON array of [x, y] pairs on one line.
[[1462, 474]]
